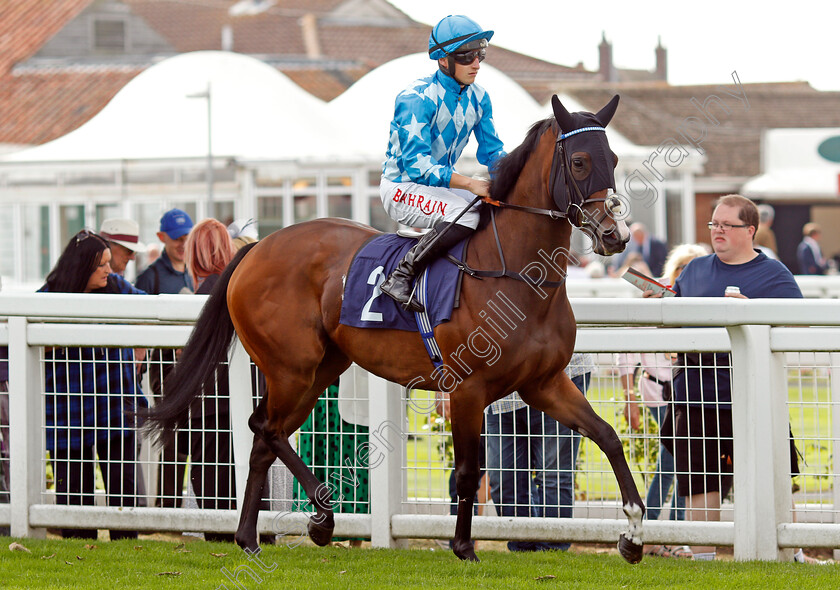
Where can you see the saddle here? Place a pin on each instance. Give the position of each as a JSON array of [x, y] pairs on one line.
[[365, 306]]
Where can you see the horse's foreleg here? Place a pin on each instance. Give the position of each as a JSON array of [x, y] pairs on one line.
[[565, 403], [630, 544], [466, 436]]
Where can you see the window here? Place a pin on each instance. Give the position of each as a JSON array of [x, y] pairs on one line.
[[109, 35]]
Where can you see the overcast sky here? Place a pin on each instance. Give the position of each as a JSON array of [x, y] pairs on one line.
[[706, 40]]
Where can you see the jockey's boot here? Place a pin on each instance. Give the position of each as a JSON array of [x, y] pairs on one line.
[[427, 249]]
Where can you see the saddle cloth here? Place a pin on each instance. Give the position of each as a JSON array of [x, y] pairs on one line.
[[365, 306]]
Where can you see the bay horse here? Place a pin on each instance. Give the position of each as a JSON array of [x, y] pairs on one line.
[[282, 296]]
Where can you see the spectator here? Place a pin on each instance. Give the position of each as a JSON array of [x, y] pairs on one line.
[[635, 260], [702, 394], [123, 237], [808, 253], [531, 458], [151, 254], [243, 232], [208, 251], [653, 251], [654, 388], [765, 238], [88, 392], [168, 274]]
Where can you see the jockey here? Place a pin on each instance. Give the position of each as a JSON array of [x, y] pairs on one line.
[[433, 120]]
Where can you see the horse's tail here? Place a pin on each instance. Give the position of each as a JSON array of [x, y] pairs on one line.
[[195, 370]]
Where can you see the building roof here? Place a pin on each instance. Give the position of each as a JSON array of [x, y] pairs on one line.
[[323, 45], [651, 115], [25, 26], [256, 113], [37, 107]]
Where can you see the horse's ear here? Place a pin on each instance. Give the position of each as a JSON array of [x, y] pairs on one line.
[[564, 119], [605, 115]]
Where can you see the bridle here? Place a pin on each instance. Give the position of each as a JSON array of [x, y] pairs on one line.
[[572, 210], [570, 204]]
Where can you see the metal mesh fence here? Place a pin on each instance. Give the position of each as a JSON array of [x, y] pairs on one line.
[[533, 467]]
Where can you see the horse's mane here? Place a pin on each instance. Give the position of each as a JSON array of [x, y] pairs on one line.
[[507, 170]]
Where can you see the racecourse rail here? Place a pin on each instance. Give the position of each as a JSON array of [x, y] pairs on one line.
[[763, 336]]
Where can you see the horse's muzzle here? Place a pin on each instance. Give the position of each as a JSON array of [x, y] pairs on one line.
[[613, 242]]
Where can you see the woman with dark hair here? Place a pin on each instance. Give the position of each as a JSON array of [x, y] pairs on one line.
[[88, 392]]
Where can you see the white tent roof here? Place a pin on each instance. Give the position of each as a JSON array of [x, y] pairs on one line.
[[793, 167], [257, 112]]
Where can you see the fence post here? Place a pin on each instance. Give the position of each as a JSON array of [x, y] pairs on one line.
[[387, 441], [761, 449], [26, 415], [834, 400], [241, 408]]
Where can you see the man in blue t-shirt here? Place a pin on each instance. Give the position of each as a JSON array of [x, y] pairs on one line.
[[702, 389]]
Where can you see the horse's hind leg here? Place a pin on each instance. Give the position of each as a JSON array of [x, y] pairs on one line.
[[565, 403], [261, 459], [285, 406]]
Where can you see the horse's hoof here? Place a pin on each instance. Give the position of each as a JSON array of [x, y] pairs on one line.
[[321, 535], [466, 554], [629, 550], [247, 544]]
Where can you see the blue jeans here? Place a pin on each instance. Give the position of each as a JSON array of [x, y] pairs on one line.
[[527, 441], [662, 479]]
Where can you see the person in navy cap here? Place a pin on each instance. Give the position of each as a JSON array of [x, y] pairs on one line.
[[168, 274]]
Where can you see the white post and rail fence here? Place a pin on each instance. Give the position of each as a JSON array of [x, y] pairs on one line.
[[770, 340]]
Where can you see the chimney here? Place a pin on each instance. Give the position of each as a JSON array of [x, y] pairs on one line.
[[606, 68], [309, 28], [661, 61], [227, 38]]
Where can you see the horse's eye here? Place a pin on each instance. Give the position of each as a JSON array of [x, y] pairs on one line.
[[577, 162]]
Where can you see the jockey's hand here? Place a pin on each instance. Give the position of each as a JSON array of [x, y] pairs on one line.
[[476, 186], [480, 188]]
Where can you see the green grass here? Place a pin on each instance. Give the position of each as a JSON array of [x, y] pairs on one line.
[[139, 564]]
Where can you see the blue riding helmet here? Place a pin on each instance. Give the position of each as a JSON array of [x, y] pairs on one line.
[[452, 33]]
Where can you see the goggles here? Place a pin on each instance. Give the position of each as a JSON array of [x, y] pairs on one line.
[[465, 58]]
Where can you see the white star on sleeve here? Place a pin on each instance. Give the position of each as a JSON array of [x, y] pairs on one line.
[[423, 162], [414, 128]]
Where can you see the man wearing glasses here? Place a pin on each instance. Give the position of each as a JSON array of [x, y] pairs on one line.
[[433, 120], [702, 390]]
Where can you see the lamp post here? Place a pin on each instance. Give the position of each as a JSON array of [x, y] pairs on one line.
[[207, 95]]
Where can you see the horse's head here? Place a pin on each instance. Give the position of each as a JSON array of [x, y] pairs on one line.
[[583, 177]]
